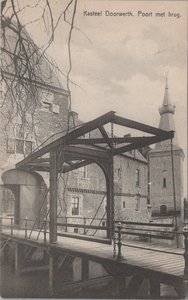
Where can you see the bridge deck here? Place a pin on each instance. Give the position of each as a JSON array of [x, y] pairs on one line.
[[150, 259]]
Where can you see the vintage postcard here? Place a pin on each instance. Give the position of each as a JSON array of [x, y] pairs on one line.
[[93, 151]]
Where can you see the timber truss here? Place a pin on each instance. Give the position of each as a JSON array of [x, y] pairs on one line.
[[73, 150]]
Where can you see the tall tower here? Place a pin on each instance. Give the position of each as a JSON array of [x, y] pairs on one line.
[[161, 192]]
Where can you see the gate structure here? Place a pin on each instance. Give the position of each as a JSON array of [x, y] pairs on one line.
[[72, 151]]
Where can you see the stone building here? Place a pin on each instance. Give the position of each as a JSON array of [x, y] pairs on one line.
[[43, 112], [166, 199]]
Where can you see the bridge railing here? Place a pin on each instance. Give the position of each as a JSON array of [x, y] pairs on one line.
[[123, 229], [8, 226], [82, 223], [42, 229]]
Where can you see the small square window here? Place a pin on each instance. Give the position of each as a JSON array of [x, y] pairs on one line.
[[46, 106], [10, 146], [20, 146], [75, 230]]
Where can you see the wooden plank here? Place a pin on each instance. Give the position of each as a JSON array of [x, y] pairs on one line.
[[142, 261]]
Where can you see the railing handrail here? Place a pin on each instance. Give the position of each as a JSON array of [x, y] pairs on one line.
[[79, 218], [145, 224]]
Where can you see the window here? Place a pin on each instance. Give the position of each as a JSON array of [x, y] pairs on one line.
[[75, 206], [46, 106], [20, 146], [123, 204], [22, 143], [137, 202], [103, 223], [75, 230], [10, 146], [164, 182], [137, 177], [163, 209], [119, 173], [83, 172]]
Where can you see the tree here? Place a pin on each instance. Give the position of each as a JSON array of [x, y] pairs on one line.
[[23, 62]]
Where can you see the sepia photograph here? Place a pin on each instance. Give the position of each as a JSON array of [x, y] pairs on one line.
[[93, 149]]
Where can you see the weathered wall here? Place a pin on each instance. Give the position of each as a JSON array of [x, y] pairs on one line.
[[160, 167]]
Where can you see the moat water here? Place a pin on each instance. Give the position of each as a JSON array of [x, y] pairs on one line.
[[35, 285]]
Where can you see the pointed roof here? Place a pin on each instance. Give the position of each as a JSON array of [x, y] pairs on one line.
[[167, 123]]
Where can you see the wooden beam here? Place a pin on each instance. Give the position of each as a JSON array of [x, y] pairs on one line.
[[118, 287], [53, 196], [154, 288], [53, 271], [85, 128], [106, 137], [76, 166], [145, 142], [109, 197], [134, 285], [86, 153], [116, 140], [85, 268], [19, 254], [137, 125]]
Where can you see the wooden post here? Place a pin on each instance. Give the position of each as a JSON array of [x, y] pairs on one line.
[[118, 287], [185, 283], [154, 288], [119, 241], [85, 269], [45, 225], [26, 228], [53, 269], [53, 196], [19, 255], [84, 225], [66, 224], [1, 224], [11, 226], [110, 198]]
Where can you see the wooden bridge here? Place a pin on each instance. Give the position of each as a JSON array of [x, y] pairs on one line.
[[133, 263], [136, 260]]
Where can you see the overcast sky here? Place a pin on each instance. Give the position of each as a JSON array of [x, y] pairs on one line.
[[120, 63]]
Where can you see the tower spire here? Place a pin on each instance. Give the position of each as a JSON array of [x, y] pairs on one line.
[[166, 112], [166, 80]]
